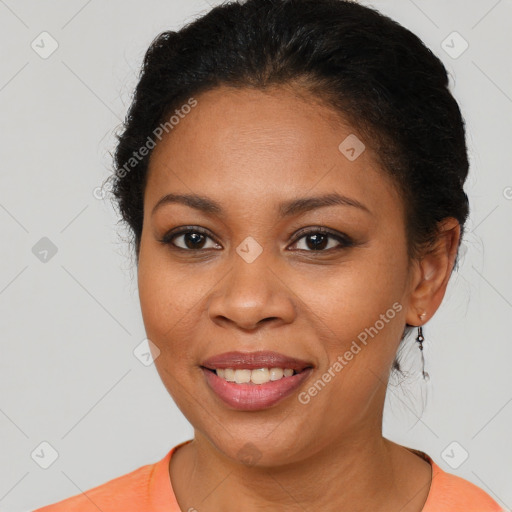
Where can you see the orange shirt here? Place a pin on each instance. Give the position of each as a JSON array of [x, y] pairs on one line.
[[149, 489]]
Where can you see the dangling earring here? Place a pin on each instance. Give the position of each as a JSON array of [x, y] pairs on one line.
[[420, 339]]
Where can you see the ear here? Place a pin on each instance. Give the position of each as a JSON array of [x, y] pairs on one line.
[[432, 273]]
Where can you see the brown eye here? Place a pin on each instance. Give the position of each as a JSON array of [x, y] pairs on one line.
[[190, 240], [323, 240]]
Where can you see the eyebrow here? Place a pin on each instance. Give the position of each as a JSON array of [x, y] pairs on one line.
[[285, 209]]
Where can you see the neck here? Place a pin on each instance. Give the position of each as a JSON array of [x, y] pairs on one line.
[[357, 473]]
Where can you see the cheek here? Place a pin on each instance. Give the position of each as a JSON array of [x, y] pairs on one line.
[[354, 295], [360, 314], [168, 303]]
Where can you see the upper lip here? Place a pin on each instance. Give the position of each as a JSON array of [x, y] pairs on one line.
[[254, 360]]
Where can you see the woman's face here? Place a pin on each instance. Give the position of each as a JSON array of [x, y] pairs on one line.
[[256, 281]]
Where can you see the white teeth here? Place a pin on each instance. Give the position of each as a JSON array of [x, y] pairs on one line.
[[276, 373], [229, 374], [242, 376], [260, 376], [257, 376]]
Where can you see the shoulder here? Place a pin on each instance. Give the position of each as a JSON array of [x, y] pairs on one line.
[[450, 492], [134, 491], [123, 491]]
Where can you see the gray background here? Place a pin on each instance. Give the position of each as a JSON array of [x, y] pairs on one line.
[[70, 324]]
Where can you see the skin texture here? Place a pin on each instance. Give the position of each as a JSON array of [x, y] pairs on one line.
[[249, 150]]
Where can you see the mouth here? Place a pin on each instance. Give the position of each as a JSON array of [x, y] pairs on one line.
[[254, 380]]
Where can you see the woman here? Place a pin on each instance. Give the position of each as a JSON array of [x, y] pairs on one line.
[[292, 172]]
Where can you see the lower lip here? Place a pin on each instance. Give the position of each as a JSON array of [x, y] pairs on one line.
[[253, 397]]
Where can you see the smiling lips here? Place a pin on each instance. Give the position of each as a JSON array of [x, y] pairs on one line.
[[254, 380], [253, 360]]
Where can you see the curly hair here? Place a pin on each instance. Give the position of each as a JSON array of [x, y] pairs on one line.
[[375, 73]]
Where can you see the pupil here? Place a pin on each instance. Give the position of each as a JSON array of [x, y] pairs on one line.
[[317, 244], [194, 239]]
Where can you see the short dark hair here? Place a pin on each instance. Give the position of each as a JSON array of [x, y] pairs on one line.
[[377, 74]]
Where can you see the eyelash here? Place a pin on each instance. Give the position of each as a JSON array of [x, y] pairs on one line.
[[344, 240]]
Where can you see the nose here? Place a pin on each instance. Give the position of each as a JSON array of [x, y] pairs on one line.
[[252, 294]]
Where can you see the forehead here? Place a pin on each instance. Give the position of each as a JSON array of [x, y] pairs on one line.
[[251, 145]]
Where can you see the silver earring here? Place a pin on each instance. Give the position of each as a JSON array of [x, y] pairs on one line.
[[420, 339]]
